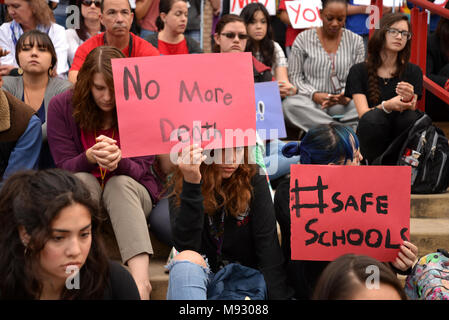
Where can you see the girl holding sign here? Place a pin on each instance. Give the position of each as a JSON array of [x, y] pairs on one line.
[[318, 66], [223, 212], [262, 46], [171, 24], [386, 87], [83, 137], [333, 144], [51, 243]]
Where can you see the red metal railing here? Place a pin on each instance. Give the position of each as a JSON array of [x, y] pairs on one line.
[[419, 43]]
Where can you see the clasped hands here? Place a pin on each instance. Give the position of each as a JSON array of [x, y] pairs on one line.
[[327, 100], [105, 153]]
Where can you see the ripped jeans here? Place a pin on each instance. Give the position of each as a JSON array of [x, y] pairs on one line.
[[188, 281]]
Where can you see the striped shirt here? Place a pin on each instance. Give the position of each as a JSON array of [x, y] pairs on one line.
[[310, 66]]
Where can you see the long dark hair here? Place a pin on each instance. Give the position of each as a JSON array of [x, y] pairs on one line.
[[85, 111], [342, 277], [227, 18], [325, 144], [82, 30], [442, 32], [266, 46], [374, 61], [33, 199]]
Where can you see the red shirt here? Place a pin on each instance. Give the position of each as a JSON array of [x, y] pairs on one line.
[[290, 33], [140, 48], [166, 48]]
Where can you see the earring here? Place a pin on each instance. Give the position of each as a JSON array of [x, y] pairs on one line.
[[20, 71], [25, 251]]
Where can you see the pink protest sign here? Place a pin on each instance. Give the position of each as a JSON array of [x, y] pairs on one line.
[[348, 209], [165, 103]]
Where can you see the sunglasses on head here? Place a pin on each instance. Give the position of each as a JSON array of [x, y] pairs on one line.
[[89, 3], [231, 35]]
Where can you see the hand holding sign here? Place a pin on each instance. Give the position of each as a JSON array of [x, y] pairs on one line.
[[236, 6]]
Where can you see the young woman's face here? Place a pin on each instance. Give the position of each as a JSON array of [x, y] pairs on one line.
[[334, 17], [34, 59], [91, 12], [68, 247], [176, 19], [232, 38], [231, 158], [257, 28], [19, 10], [103, 97], [394, 39]]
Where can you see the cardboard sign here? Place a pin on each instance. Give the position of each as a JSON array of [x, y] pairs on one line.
[[165, 103], [236, 6], [270, 118], [304, 13], [440, 3], [385, 3], [337, 210]]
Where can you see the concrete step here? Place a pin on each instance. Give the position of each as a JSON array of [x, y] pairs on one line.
[[158, 279], [444, 125], [429, 205], [429, 234]]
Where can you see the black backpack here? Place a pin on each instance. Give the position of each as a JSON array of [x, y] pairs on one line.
[[425, 148]]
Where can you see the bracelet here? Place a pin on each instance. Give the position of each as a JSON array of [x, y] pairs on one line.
[[408, 100], [383, 108]]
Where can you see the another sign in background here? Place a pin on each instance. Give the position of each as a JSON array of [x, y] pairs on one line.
[[385, 3], [270, 118], [304, 13], [165, 103], [236, 6], [337, 210]]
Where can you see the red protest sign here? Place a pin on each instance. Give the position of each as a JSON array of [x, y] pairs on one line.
[[348, 209], [165, 103]]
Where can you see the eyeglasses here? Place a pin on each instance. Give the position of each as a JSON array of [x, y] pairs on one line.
[[89, 3], [395, 32], [231, 35]]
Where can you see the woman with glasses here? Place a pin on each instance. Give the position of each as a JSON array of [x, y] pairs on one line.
[[318, 66], [386, 87], [89, 25], [29, 15]]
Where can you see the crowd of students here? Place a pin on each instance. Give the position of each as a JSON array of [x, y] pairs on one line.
[[58, 114]]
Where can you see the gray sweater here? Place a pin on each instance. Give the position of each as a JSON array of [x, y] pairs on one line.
[[14, 85]]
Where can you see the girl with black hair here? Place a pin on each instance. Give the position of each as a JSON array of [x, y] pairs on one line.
[[262, 46]]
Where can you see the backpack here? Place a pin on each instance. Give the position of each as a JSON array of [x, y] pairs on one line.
[[429, 279], [425, 148]]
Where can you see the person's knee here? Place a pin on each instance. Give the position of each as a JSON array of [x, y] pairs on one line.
[[191, 256]]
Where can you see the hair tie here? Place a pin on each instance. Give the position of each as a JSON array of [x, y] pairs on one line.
[[291, 149]]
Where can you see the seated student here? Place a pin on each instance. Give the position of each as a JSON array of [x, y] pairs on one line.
[[54, 250], [262, 46], [437, 68], [89, 26], [117, 18], [290, 32], [386, 87], [83, 137], [224, 212], [29, 15], [20, 136], [333, 144], [171, 24], [36, 57], [318, 66], [348, 278]]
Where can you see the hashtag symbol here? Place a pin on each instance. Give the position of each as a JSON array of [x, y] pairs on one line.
[[319, 188]]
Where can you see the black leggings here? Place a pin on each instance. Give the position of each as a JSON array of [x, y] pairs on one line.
[[377, 129]]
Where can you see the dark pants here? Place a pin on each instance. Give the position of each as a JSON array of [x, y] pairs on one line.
[[377, 129]]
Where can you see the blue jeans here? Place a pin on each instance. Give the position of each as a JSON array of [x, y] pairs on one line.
[[188, 281], [277, 164]]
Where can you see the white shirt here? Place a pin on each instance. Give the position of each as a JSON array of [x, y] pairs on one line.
[[57, 36]]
